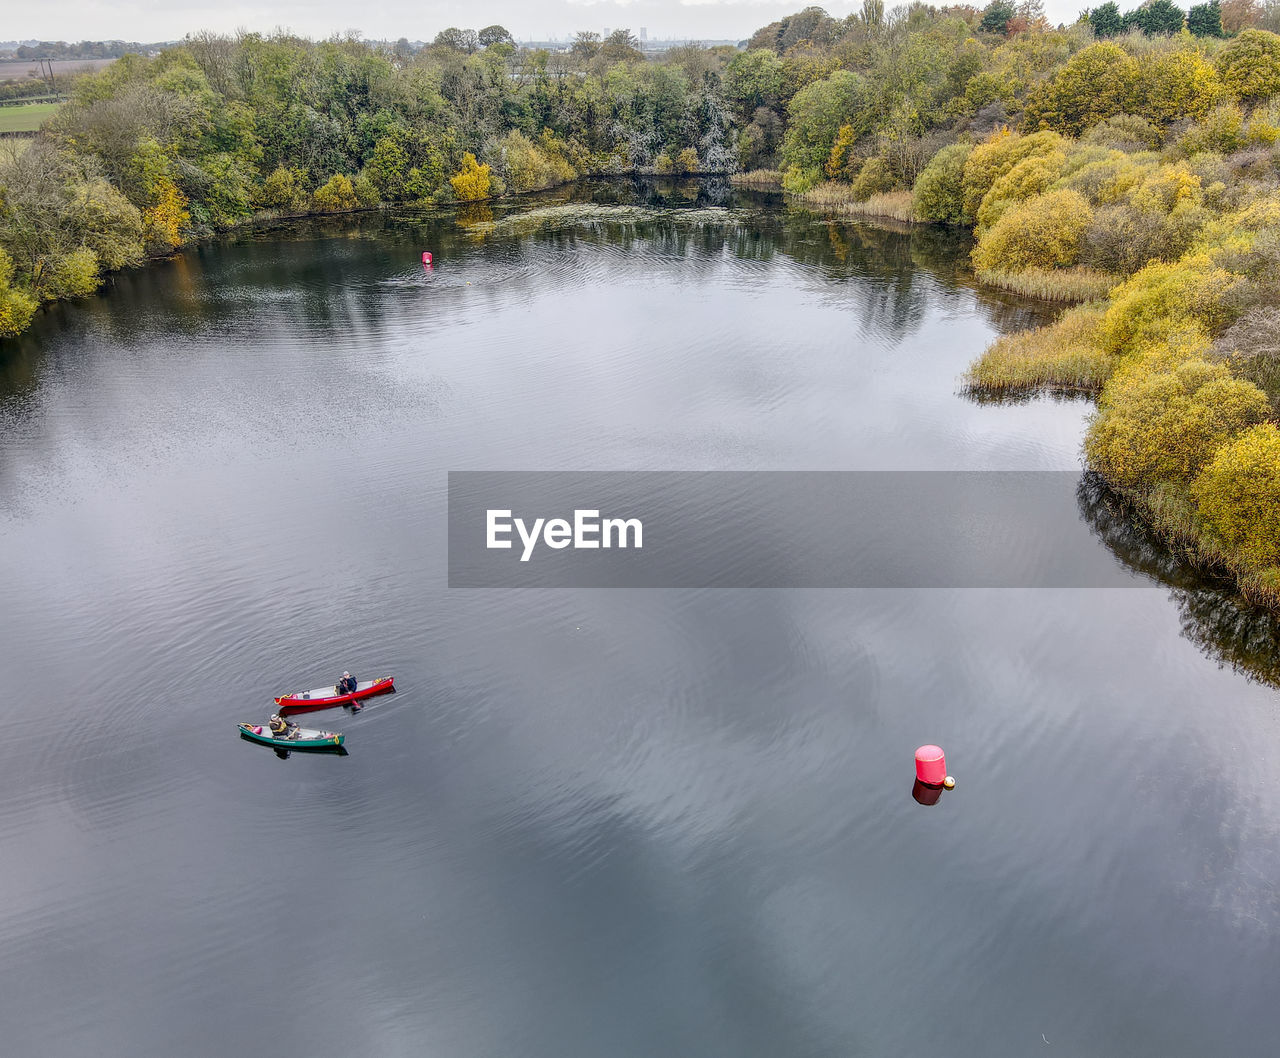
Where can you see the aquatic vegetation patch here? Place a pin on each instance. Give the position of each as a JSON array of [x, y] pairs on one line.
[[1079, 283], [1065, 356]]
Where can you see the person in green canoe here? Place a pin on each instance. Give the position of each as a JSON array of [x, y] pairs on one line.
[[280, 727]]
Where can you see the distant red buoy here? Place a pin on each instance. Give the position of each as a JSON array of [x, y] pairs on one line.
[[931, 765], [426, 257]]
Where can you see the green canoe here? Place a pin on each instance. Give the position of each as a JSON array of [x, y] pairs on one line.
[[298, 737]]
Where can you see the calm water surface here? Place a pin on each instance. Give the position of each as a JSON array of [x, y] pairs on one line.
[[590, 823]]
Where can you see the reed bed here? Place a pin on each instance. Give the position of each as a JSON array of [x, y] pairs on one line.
[[837, 199], [758, 180], [1064, 357], [1077, 284]]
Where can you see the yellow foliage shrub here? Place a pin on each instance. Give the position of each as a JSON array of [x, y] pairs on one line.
[[1030, 177], [1162, 298], [16, 306], [1222, 130], [1177, 85], [994, 157], [841, 153], [164, 220], [472, 181], [1107, 180], [1166, 189], [1161, 426], [1238, 495], [687, 161], [529, 166], [336, 196], [1044, 232]]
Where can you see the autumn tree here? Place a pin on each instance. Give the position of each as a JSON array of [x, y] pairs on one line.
[[336, 195], [1238, 494], [1238, 15], [838, 160], [16, 306], [1250, 65], [473, 180]]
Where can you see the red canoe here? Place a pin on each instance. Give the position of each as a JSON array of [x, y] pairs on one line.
[[327, 697]]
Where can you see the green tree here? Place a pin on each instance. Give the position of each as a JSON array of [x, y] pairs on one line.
[[996, 17], [873, 178], [388, 167], [491, 35], [1096, 83], [621, 46], [1156, 16], [939, 189], [1205, 20], [1106, 20], [753, 79], [455, 39], [817, 112]]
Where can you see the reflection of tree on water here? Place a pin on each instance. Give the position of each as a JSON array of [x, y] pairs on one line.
[[19, 370], [1214, 617], [476, 220]]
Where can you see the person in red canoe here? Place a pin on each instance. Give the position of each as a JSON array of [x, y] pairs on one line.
[[347, 684]]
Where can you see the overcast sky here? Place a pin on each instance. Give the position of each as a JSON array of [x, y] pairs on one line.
[[151, 20]]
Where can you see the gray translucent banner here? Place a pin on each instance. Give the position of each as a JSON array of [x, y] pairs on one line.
[[774, 530]]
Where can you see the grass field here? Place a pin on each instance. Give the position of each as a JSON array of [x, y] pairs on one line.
[[26, 118]]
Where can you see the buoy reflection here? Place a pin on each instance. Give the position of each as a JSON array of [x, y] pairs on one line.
[[926, 794]]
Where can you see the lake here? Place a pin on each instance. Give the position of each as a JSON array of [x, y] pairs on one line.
[[591, 822]]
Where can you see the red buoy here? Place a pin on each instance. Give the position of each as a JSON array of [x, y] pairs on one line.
[[426, 256], [931, 765]]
